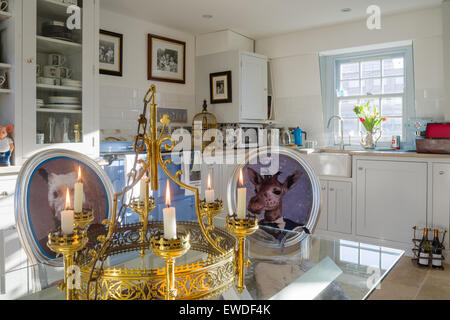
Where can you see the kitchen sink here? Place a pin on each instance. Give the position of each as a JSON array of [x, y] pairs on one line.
[[327, 163]]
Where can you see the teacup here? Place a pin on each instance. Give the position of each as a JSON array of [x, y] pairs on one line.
[[3, 5], [51, 72], [64, 73], [55, 59]]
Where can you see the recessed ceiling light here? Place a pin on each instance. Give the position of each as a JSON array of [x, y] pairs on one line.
[[207, 16], [345, 10]]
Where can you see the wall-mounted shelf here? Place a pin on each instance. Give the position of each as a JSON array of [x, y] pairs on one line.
[[5, 66], [55, 9], [5, 15], [47, 87], [50, 45]]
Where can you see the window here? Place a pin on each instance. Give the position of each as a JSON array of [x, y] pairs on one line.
[[384, 78]]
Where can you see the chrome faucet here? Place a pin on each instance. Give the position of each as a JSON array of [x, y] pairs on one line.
[[341, 125]]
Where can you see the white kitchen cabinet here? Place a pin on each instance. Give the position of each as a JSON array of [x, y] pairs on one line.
[[391, 198], [81, 55], [249, 73], [253, 87], [336, 208], [322, 223], [441, 198]]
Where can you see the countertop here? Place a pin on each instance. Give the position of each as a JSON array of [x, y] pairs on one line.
[[9, 171], [376, 153]]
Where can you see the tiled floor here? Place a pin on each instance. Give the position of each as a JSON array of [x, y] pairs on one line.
[[409, 282]]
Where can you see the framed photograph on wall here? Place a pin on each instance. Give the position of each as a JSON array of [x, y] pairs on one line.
[[220, 86], [111, 53], [166, 59]]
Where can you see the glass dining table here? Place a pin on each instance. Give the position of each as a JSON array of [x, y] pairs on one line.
[[291, 266]]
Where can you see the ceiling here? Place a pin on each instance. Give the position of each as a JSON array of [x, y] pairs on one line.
[[255, 18]]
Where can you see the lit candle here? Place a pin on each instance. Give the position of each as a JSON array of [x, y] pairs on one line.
[[241, 198], [209, 194], [170, 220], [67, 217], [78, 197]]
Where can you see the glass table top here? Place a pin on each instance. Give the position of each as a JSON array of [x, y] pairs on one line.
[[282, 268]]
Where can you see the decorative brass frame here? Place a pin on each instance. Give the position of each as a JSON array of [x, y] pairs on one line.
[[203, 279]]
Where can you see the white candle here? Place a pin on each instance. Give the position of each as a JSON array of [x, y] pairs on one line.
[[78, 197], [241, 210], [209, 193], [143, 189], [170, 220], [67, 217]]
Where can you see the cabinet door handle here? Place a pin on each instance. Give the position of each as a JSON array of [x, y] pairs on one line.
[[29, 60], [441, 173], [331, 189], [324, 188], [4, 194], [360, 168]]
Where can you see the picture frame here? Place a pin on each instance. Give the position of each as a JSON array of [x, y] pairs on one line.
[[111, 53], [221, 87], [166, 59], [299, 206], [36, 204]]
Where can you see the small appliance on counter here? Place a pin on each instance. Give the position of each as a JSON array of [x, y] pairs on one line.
[[287, 138], [437, 139], [298, 136]]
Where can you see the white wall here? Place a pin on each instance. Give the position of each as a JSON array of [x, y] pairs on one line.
[[446, 38], [121, 97], [221, 41], [296, 73]]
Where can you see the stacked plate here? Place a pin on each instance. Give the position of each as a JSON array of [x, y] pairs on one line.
[[67, 103], [39, 103], [71, 83]]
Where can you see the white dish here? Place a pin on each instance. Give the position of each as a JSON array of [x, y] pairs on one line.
[[48, 81], [71, 83], [63, 106], [70, 100]]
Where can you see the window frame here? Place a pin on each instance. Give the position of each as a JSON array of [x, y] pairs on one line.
[[330, 68]]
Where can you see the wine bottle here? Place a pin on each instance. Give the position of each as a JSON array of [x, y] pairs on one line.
[[424, 250], [436, 251]]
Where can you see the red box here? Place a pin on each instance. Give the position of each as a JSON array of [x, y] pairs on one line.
[[438, 131]]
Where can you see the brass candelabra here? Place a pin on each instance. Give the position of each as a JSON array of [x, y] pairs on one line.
[[204, 278]]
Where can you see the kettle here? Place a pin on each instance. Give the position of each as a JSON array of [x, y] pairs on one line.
[[287, 137], [298, 136]]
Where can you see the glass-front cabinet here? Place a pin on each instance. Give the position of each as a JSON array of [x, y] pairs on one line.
[[60, 76]]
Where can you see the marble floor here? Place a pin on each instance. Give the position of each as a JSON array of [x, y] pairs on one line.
[[409, 282]]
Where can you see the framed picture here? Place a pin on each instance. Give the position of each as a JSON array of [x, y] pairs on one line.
[[220, 86], [40, 195], [166, 59], [111, 53], [282, 191]]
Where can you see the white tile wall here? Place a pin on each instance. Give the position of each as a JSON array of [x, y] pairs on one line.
[[121, 106]]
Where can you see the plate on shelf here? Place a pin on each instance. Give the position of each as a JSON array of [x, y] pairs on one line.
[[71, 83], [63, 100], [62, 106]]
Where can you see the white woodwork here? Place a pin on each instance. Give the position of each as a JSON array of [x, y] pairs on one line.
[[441, 198], [391, 198], [340, 206], [322, 223]]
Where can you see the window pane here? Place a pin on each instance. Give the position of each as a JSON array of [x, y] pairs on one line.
[[351, 128], [371, 69], [350, 88], [393, 67], [392, 127], [374, 103], [371, 86], [346, 108], [392, 106], [349, 71], [393, 85]]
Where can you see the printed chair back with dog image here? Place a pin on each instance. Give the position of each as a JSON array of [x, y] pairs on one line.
[[40, 197]]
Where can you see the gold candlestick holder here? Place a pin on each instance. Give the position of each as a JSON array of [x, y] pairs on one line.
[[68, 245], [143, 209], [83, 219], [241, 229], [210, 210], [169, 250]]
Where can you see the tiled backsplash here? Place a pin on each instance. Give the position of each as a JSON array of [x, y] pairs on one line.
[[120, 108]]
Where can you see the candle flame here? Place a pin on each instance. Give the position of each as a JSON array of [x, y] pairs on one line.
[[209, 182], [67, 199], [79, 173], [241, 177], [168, 202]]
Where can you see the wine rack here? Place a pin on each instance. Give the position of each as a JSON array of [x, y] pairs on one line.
[[417, 241]]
